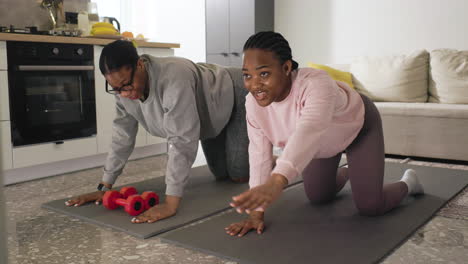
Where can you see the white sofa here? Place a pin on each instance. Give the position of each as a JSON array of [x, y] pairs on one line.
[[422, 98]]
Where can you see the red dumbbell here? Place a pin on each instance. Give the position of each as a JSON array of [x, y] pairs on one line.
[[127, 191], [151, 199], [134, 204]]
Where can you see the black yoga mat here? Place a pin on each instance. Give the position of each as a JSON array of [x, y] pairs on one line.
[[299, 232], [203, 197]]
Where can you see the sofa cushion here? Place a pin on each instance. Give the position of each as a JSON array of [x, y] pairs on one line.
[[400, 78], [341, 67], [448, 81], [336, 74], [455, 111], [425, 129]]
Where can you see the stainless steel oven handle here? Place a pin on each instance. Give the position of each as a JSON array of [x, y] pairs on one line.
[[56, 67]]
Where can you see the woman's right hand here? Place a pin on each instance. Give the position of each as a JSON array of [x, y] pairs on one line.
[[86, 198], [254, 222]]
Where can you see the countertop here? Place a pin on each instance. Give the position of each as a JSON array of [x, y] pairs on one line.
[[79, 40]]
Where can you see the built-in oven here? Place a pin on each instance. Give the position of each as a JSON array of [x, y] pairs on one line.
[[52, 94]]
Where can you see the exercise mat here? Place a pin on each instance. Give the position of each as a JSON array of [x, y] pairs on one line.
[[203, 197], [300, 232]]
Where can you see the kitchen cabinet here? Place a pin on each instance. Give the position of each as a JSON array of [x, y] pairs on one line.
[[5, 145], [4, 99], [30, 155], [46, 159], [3, 56], [229, 23], [3, 221], [105, 105]]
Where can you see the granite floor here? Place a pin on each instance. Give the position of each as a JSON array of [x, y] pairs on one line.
[[40, 236]]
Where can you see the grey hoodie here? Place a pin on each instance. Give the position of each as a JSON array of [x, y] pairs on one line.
[[186, 102]]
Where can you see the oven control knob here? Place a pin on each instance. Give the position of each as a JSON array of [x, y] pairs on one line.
[[55, 51], [79, 51]]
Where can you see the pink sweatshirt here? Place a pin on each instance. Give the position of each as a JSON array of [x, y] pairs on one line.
[[318, 119]]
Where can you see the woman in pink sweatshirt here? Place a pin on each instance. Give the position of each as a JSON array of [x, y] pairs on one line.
[[314, 119]]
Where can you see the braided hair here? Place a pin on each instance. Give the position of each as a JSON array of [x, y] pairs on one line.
[[274, 42]]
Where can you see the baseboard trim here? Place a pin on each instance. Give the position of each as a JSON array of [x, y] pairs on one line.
[[60, 167]]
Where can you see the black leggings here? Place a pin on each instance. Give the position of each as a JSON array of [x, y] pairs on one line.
[[227, 154], [366, 163]]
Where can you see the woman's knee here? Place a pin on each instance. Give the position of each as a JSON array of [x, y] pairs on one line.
[[321, 197], [238, 171]]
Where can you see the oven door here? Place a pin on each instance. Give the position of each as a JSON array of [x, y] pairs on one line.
[[51, 103]]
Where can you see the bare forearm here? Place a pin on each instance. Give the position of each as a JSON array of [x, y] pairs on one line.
[[279, 180], [173, 202]]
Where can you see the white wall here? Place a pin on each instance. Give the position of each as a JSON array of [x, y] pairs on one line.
[[175, 21], [334, 31]]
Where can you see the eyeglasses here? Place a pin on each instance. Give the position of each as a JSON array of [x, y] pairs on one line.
[[123, 88]]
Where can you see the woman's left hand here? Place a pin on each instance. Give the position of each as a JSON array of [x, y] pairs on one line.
[[261, 196]]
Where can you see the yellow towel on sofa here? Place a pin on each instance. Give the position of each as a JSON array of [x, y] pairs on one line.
[[334, 73]]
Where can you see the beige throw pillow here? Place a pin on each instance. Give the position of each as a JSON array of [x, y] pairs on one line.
[[449, 76], [400, 78]]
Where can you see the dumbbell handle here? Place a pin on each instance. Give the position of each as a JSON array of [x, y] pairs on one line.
[[121, 202]]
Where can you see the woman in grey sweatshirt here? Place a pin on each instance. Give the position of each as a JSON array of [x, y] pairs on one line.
[[183, 102]]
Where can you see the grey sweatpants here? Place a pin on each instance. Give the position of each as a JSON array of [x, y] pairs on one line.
[[227, 154], [366, 163]]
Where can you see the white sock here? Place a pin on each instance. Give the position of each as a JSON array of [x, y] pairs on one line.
[[412, 181]]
